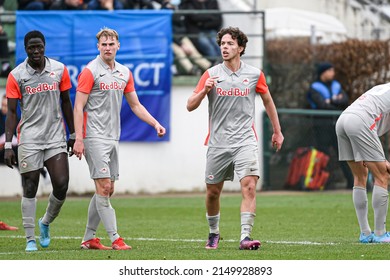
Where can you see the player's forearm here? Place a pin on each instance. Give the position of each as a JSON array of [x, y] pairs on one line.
[[78, 122], [143, 114], [10, 126], [195, 100], [273, 116], [68, 114]]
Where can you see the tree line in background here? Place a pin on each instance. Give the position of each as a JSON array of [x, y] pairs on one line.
[[290, 67]]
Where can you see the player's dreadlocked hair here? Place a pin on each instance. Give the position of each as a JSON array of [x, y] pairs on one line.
[[236, 33], [34, 34]]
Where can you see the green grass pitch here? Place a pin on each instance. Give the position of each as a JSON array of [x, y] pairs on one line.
[[291, 226]]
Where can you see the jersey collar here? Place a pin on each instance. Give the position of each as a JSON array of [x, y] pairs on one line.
[[32, 71], [230, 72]]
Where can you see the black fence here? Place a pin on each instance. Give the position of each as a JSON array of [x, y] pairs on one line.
[[304, 128]]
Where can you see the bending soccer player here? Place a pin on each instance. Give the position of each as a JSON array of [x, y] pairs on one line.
[[358, 129]]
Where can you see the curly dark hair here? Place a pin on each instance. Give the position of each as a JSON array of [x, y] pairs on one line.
[[236, 33]]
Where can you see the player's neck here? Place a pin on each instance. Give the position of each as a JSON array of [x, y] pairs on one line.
[[233, 64], [110, 63], [37, 66]]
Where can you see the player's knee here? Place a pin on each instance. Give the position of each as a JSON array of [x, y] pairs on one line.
[[213, 193], [30, 187], [60, 186], [29, 191]]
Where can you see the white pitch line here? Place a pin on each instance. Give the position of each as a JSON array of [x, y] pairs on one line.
[[188, 240]]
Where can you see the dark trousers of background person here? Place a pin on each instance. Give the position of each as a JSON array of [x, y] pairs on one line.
[[4, 55], [326, 141]]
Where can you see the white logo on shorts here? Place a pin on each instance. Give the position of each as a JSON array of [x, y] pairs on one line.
[[103, 170], [211, 176], [24, 164]]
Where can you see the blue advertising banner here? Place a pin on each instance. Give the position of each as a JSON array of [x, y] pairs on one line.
[[145, 47]]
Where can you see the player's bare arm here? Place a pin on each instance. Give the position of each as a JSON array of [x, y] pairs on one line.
[[140, 111], [277, 137], [10, 125], [196, 98], [66, 106], [81, 100]]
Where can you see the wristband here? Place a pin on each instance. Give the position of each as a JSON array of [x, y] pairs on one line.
[[72, 136], [8, 145]]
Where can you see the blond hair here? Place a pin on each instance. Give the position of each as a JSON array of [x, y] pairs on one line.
[[107, 32]]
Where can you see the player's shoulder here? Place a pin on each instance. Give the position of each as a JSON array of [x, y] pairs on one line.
[[20, 70], [55, 65], [122, 68], [215, 70], [251, 69]]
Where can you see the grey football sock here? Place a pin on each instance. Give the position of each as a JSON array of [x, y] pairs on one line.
[[360, 201], [52, 210], [107, 215], [29, 207], [93, 220], [247, 222], [380, 204], [213, 222]]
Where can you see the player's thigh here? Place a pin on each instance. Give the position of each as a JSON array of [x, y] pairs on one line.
[[98, 154], [219, 165], [30, 158], [246, 161]]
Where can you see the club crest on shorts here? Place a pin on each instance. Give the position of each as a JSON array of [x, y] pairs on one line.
[[24, 164], [211, 177], [104, 170]]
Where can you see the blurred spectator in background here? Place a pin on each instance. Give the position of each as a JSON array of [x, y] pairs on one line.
[[326, 93], [4, 53], [34, 4], [68, 5], [142, 4], [187, 58], [109, 5], [203, 26]]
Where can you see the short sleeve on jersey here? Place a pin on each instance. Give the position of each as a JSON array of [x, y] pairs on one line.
[[85, 81], [65, 80], [202, 82], [261, 86], [12, 89], [130, 84]]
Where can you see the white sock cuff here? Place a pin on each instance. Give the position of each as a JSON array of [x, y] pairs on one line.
[[211, 217], [359, 188], [380, 190], [248, 214]]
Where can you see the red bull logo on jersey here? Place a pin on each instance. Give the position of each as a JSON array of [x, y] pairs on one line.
[[233, 92], [112, 85], [41, 88], [245, 81]]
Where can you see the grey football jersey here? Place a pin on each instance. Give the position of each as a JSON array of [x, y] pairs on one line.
[[41, 120], [232, 105], [105, 88], [374, 108]]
